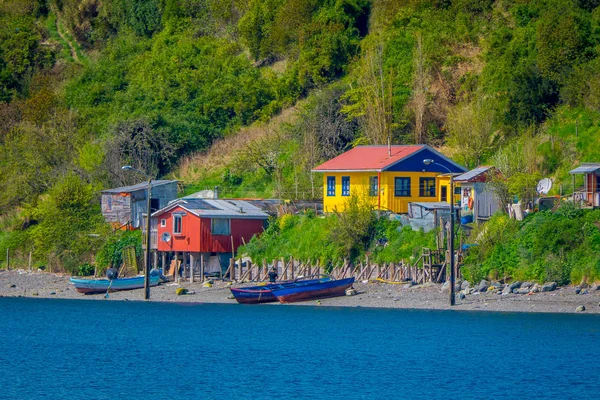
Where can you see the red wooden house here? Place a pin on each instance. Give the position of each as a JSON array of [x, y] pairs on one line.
[[203, 232]]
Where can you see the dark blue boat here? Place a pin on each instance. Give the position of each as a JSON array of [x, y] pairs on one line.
[[310, 290], [253, 294], [263, 294]]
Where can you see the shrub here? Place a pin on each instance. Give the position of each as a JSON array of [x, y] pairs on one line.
[[556, 246], [86, 269], [111, 253]]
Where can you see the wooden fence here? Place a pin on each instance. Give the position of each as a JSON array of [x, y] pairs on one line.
[[429, 267]]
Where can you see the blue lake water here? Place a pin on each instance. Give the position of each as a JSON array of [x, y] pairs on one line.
[[63, 349]]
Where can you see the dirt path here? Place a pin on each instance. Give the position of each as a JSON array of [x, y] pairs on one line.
[[64, 37]]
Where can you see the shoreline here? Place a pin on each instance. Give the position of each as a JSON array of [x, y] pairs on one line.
[[21, 283]]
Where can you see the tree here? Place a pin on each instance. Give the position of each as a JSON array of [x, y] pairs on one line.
[[531, 97], [20, 55], [69, 220], [323, 130], [420, 89], [255, 27], [470, 131], [354, 229], [370, 101], [35, 157], [136, 143], [561, 39]]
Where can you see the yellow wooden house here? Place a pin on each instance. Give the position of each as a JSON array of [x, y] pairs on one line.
[[391, 176]]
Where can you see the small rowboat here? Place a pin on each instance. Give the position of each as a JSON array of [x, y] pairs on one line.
[[310, 290], [253, 294], [89, 286], [262, 294]]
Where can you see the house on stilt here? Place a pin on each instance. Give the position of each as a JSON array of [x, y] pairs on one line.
[[202, 234]]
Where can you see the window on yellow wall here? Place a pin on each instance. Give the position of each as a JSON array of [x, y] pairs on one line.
[[427, 187], [345, 186], [402, 187], [373, 186], [331, 186]]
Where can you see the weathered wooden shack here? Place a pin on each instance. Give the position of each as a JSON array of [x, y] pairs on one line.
[[125, 207]]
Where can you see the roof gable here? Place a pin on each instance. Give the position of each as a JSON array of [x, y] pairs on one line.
[[392, 158], [368, 158], [414, 163]]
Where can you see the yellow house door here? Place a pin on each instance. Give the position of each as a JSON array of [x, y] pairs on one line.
[[444, 193]]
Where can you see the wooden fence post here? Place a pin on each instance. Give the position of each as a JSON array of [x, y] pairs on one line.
[[232, 269], [264, 270], [192, 262], [202, 267]]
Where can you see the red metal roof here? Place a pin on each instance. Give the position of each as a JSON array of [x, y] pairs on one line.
[[369, 158]]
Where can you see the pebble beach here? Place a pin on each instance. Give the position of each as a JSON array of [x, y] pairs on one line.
[[21, 283]]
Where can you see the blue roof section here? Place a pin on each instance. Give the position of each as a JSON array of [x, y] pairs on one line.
[[586, 168], [414, 163]]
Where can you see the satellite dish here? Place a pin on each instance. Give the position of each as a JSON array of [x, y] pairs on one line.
[[165, 237], [544, 186]]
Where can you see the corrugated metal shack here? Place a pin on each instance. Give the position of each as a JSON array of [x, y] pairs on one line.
[[426, 215], [125, 207]]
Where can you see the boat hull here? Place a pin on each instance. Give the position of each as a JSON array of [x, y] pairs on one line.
[[312, 291], [263, 294], [91, 286], [253, 295]]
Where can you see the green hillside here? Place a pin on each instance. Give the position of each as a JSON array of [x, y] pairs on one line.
[[250, 95]]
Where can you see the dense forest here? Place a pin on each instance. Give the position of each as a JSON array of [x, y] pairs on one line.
[[250, 95]]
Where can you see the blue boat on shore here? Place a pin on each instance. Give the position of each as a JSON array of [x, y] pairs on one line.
[[253, 294], [90, 286], [310, 290], [263, 294]]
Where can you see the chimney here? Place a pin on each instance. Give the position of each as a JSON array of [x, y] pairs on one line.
[[389, 147], [216, 193]]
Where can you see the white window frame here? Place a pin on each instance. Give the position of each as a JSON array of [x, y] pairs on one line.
[[175, 217], [163, 222]]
